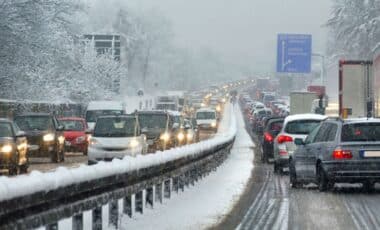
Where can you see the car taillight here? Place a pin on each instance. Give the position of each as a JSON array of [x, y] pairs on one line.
[[268, 137], [339, 154], [283, 138]]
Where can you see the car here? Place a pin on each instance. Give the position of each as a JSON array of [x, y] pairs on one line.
[[272, 127], [295, 126], [116, 136], [207, 119], [187, 134], [13, 148], [157, 125], [338, 151], [96, 109], [76, 139], [44, 134]]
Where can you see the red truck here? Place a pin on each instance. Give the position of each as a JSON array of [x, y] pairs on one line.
[[318, 89]]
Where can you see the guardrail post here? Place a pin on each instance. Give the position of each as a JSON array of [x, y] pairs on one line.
[[175, 184], [113, 210], [159, 192], [167, 188], [53, 226], [139, 202], [149, 199], [181, 183], [77, 222], [127, 206], [97, 218], [187, 178], [193, 176]]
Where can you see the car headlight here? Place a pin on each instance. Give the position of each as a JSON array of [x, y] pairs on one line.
[[218, 108], [61, 139], [189, 136], [213, 124], [48, 137], [180, 136], [134, 143], [80, 139], [165, 137], [93, 142], [22, 146], [6, 149]]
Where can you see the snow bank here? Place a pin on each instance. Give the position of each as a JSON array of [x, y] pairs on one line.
[[12, 187], [203, 205]]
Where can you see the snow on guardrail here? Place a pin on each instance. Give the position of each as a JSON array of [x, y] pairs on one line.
[[12, 187]]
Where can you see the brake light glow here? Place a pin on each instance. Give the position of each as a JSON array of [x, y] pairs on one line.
[[339, 154], [268, 137], [283, 138]]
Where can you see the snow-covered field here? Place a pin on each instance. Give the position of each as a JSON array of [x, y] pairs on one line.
[[206, 203]]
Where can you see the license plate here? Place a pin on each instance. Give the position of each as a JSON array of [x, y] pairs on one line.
[[33, 147], [150, 142], [371, 153], [67, 143]]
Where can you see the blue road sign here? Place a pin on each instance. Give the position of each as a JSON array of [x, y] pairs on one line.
[[294, 53]]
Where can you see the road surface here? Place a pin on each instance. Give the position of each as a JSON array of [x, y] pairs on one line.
[[270, 203]]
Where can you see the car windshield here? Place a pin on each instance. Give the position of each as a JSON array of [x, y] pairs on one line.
[[205, 115], [6, 129], [115, 127], [303, 127], [361, 132], [92, 115], [72, 125], [30, 123], [153, 121]]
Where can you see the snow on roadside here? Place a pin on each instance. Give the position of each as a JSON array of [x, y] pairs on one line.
[[11, 187], [203, 205]]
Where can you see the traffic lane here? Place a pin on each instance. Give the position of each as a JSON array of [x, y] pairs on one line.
[[72, 160], [205, 135]]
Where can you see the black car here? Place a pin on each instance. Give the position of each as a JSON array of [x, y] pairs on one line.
[[338, 151], [159, 128], [272, 127], [13, 148], [44, 134]]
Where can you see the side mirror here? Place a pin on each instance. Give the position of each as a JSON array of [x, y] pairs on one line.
[[299, 141], [175, 126], [60, 128], [20, 134], [89, 131]]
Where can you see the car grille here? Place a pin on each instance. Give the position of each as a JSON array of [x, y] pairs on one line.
[[113, 149], [34, 140]]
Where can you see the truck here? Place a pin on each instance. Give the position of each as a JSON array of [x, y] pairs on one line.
[[302, 102], [167, 103], [356, 94], [263, 83]]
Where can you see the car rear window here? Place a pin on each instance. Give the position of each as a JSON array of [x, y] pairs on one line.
[[360, 132], [276, 126], [301, 126]]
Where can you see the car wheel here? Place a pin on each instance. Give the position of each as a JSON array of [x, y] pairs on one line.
[[368, 186], [293, 176], [85, 152], [13, 170], [275, 167], [323, 182], [24, 169], [62, 154]]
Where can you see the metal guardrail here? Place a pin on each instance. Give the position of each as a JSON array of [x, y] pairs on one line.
[[135, 191]]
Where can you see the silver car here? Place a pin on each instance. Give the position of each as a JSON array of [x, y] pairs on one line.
[[345, 151], [295, 126]]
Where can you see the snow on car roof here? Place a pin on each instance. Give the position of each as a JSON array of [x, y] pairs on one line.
[[206, 110], [104, 105], [361, 120], [174, 113], [306, 116]]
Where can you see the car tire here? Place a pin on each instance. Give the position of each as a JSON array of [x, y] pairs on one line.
[[293, 176], [13, 170], [323, 183], [85, 152], [24, 169], [54, 157], [276, 167]]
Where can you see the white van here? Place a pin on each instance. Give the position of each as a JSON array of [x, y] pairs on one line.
[[207, 119], [103, 108]]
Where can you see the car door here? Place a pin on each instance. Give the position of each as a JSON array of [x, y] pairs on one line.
[[301, 156], [314, 148]]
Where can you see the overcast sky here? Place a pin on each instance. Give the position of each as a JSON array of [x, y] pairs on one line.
[[243, 31]]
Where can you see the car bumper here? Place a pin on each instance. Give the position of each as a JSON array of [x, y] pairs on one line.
[[351, 172], [284, 162], [75, 147], [98, 154], [41, 150], [6, 161]]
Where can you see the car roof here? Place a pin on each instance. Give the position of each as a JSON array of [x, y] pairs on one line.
[[118, 116], [206, 110], [153, 112], [361, 120], [5, 120], [34, 114], [71, 119], [306, 116]]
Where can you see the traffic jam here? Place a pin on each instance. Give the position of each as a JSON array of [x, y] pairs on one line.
[[296, 136], [103, 130]]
